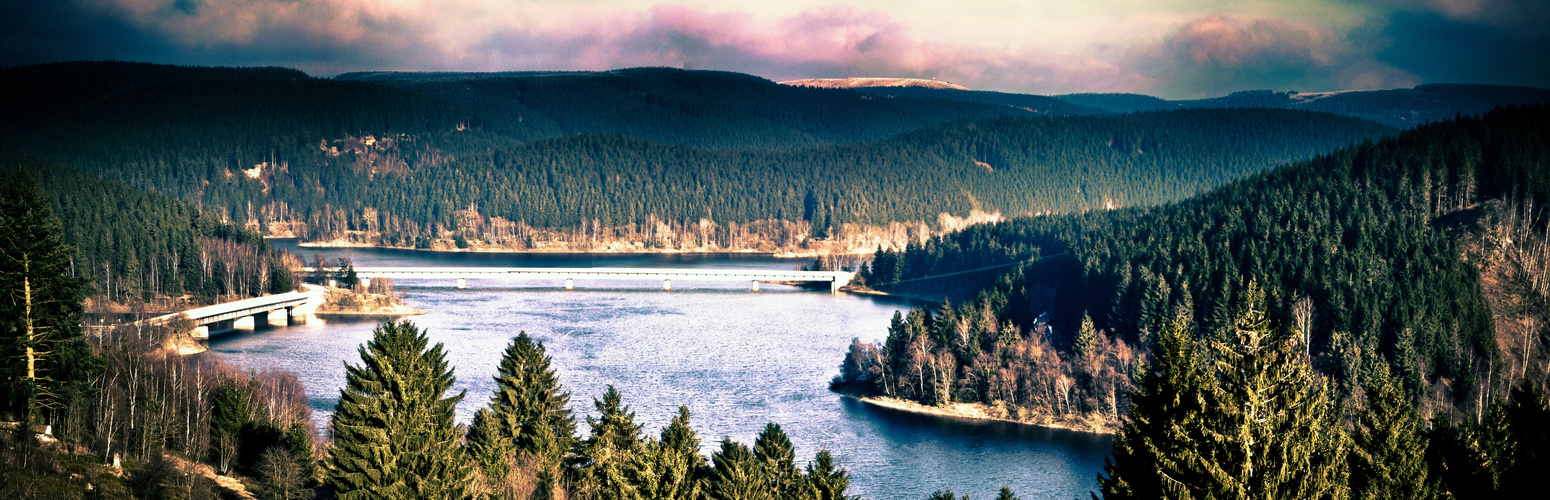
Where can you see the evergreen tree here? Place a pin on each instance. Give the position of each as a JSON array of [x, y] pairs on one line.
[[528, 412], [1166, 416], [1006, 494], [775, 454], [1270, 429], [945, 494], [45, 361], [680, 438], [1085, 337], [828, 481], [491, 452], [394, 433], [604, 460], [736, 474], [1388, 453], [672, 468]]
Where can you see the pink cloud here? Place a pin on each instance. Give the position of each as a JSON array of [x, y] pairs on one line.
[[830, 41]]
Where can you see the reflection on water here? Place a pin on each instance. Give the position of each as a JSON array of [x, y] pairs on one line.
[[737, 359]]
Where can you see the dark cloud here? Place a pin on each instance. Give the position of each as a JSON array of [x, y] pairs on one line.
[[39, 32], [1220, 54], [1444, 50]]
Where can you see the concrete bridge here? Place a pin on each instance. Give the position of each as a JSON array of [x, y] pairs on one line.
[[222, 317], [569, 275]]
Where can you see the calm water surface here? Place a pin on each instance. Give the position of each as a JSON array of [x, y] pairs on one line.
[[736, 358]]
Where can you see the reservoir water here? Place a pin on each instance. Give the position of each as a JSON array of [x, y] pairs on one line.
[[738, 359]]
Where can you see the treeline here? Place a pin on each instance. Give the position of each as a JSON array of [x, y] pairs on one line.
[[1239, 412], [145, 405], [1403, 108], [624, 186], [702, 109], [1350, 244], [523, 445], [323, 159], [118, 393], [134, 246], [977, 353]]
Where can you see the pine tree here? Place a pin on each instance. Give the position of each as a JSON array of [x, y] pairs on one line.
[[491, 452], [736, 474], [1270, 429], [45, 362], [775, 454], [1006, 494], [1166, 413], [1388, 453], [528, 412], [672, 467], [826, 480], [1086, 336], [603, 461], [394, 433]]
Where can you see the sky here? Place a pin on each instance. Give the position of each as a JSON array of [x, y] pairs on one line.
[[1167, 48]]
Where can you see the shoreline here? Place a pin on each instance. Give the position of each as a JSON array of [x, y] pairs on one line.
[[371, 314], [788, 254], [866, 292], [967, 411]]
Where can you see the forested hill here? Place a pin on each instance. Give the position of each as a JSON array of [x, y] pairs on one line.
[[708, 109], [1403, 108], [417, 159], [131, 245], [1361, 237], [1013, 165]]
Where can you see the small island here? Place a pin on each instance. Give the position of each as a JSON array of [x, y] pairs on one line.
[[363, 301], [346, 294]]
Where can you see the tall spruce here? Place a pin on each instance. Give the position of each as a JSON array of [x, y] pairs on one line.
[[671, 468], [1164, 424], [527, 414], [1388, 452], [45, 361], [736, 474], [394, 434], [603, 462], [1271, 430], [828, 481], [775, 454]]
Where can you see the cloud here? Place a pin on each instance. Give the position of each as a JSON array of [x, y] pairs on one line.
[[1444, 50], [1219, 54], [1182, 48]]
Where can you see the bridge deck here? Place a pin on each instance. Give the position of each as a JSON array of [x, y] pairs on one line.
[[605, 273], [239, 308]]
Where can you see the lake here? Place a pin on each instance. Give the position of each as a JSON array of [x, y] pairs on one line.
[[737, 358]]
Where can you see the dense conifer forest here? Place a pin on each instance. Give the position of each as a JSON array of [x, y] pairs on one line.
[[1364, 266], [137, 247], [1367, 318], [410, 159], [1402, 108]]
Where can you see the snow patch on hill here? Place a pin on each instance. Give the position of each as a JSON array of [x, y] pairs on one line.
[[851, 83]]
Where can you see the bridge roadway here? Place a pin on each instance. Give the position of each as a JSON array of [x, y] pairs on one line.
[[835, 279], [222, 317]]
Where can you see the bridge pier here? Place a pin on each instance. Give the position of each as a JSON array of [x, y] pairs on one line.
[[223, 325], [755, 285], [260, 320], [570, 284], [834, 287], [290, 316], [667, 284]]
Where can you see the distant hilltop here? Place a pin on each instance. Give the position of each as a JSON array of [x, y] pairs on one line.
[[851, 83]]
